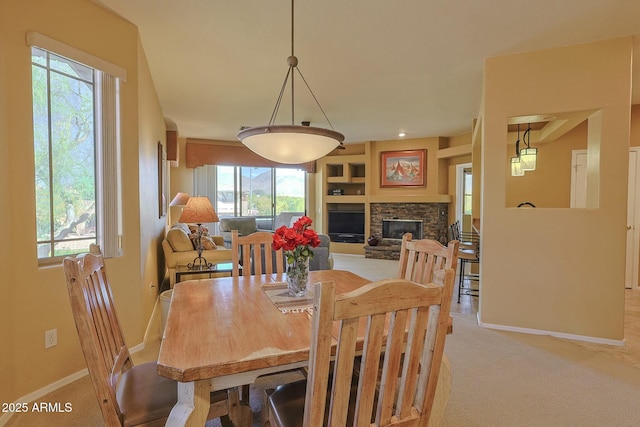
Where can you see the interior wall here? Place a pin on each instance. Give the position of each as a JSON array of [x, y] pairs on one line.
[[7, 336], [152, 129], [180, 180], [556, 270], [35, 299]]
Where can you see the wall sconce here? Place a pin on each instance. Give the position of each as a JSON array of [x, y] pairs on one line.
[[525, 159]]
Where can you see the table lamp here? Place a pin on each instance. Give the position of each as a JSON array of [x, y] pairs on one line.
[[199, 210]]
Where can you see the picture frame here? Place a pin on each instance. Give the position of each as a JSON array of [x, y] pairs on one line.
[[405, 168], [162, 181]]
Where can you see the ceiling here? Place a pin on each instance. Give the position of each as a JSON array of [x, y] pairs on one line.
[[376, 67]]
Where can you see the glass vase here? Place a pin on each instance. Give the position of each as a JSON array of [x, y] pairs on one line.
[[297, 275]]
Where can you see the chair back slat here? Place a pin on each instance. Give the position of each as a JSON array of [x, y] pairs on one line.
[[406, 324], [258, 257], [420, 259], [101, 337]]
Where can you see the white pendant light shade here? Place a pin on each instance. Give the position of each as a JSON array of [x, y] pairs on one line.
[[290, 144], [528, 159], [516, 167]]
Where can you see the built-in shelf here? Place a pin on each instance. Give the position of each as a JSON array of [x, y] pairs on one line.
[[429, 198], [346, 199], [351, 175]]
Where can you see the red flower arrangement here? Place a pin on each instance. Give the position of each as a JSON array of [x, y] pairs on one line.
[[297, 240]]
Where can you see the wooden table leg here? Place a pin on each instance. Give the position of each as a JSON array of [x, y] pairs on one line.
[[239, 410], [193, 405]]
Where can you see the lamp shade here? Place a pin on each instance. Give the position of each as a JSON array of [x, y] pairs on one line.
[[528, 159], [180, 199], [290, 144], [516, 167], [198, 210]]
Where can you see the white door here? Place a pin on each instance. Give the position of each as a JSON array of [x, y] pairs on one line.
[[633, 220], [579, 179], [578, 200]]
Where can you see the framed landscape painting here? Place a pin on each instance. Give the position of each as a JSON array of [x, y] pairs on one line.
[[403, 168]]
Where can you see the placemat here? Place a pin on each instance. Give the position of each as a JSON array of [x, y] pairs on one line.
[[278, 293]]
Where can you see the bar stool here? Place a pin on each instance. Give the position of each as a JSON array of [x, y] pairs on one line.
[[468, 256], [468, 253]]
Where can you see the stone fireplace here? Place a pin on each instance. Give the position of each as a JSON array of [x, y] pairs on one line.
[[432, 216]]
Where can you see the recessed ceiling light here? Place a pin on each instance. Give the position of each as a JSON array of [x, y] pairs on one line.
[[402, 134]]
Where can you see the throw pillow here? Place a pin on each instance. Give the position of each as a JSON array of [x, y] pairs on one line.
[[182, 226], [179, 240], [193, 228], [208, 243]]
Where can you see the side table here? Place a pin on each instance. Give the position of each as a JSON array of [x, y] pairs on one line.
[[216, 270]]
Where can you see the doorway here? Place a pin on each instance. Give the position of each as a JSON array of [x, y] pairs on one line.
[[578, 200], [464, 191]]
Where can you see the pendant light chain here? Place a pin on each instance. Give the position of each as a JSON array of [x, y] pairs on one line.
[[291, 144], [293, 65]]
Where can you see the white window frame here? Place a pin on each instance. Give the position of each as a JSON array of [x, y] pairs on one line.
[[107, 143]]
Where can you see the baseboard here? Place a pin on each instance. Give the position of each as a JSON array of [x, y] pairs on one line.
[[151, 324], [562, 335], [35, 395]]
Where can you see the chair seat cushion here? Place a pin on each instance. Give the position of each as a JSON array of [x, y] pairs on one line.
[[286, 404], [144, 396]]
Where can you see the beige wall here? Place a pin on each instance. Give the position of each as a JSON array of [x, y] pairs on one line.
[[35, 299], [152, 226], [559, 270]]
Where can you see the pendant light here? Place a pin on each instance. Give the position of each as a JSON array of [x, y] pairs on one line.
[[516, 167], [516, 164], [525, 159], [528, 156], [291, 143]]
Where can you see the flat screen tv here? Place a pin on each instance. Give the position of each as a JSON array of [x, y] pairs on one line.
[[346, 226]]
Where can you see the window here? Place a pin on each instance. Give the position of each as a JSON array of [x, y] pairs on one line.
[[76, 128], [467, 192], [260, 192]]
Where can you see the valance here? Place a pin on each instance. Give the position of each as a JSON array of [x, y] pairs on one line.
[[200, 152]]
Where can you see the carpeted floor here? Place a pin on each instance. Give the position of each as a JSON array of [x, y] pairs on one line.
[[498, 378]]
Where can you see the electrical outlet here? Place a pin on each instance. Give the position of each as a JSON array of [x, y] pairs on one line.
[[50, 338]]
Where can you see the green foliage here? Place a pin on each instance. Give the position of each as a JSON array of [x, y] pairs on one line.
[[289, 204], [64, 149]]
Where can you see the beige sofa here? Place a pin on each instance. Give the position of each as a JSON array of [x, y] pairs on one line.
[[178, 249]]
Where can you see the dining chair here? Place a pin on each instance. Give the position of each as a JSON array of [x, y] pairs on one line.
[[406, 325], [419, 259], [258, 257], [255, 253], [128, 394]]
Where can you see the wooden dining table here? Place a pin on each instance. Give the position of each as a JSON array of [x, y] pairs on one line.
[[223, 333]]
